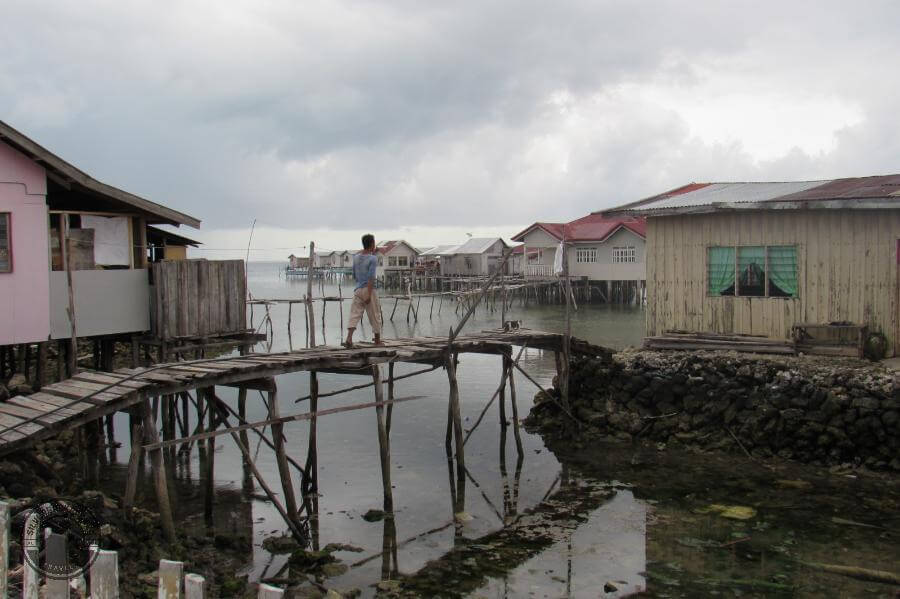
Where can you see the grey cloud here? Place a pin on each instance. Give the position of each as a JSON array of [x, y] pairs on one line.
[[362, 113]]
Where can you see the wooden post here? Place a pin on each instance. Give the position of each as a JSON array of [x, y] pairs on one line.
[[284, 470], [312, 456], [455, 414], [104, 574], [40, 372], [134, 459], [170, 575], [503, 374], [515, 406], [159, 473], [309, 300], [92, 442], [384, 444], [4, 548], [390, 408], [67, 261], [194, 586], [245, 439], [209, 478]]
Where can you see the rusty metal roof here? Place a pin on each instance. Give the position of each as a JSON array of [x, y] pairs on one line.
[[852, 193]]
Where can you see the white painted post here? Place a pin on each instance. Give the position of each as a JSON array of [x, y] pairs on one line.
[[30, 576], [170, 575], [104, 574], [4, 547], [194, 586], [269, 592]]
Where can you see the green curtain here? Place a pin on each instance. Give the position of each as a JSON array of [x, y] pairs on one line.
[[752, 270], [783, 268], [720, 269]]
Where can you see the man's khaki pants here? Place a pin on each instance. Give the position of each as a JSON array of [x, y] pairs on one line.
[[373, 309]]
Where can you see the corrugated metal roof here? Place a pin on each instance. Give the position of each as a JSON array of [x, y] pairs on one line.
[[476, 245], [438, 250], [728, 192]]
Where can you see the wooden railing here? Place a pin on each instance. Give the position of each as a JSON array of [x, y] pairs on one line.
[[544, 271]]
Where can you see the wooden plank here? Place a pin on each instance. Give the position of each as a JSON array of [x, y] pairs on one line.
[[68, 392], [170, 574], [19, 424], [51, 413], [38, 416], [111, 377], [67, 405], [55, 559]]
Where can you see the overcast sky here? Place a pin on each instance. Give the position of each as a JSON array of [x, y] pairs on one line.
[[429, 120]]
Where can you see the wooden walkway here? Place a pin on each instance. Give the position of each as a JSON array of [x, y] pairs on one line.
[[90, 395]]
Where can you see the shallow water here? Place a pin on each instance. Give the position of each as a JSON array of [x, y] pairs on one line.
[[627, 538]]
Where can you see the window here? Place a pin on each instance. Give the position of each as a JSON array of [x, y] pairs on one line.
[[623, 254], [402, 261], [586, 255], [5, 244], [380, 261], [752, 271], [392, 260]]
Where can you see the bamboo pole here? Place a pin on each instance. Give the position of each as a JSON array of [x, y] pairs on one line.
[[312, 456], [390, 408]]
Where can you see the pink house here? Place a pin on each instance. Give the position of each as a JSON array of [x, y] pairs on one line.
[[54, 216]]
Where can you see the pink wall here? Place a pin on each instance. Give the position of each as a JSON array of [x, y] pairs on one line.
[[25, 292]]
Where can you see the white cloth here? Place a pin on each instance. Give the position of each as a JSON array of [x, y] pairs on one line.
[[558, 259], [111, 240]]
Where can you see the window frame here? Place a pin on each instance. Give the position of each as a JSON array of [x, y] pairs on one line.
[[9, 244], [624, 254], [403, 261], [737, 282], [586, 255], [392, 260]]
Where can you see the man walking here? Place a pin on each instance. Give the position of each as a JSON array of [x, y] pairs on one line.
[[364, 297]]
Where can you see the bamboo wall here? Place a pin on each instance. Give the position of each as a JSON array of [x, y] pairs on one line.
[[847, 269], [198, 298]]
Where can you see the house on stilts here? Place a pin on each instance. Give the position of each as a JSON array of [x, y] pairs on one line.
[[813, 264], [79, 259]]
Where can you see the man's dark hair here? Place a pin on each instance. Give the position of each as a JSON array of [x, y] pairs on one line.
[[368, 241]]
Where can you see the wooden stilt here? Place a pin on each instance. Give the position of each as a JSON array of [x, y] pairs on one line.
[[159, 474], [383, 442], [503, 374], [137, 434], [209, 479], [309, 302], [92, 442], [515, 406], [40, 372], [455, 414], [284, 470], [390, 408], [312, 456], [111, 437]]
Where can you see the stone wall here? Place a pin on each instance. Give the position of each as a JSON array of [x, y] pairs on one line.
[[823, 411]]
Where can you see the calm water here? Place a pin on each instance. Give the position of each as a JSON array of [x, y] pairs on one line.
[[651, 530]]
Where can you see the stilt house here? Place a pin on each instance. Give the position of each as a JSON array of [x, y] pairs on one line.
[[775, 260], [75, 251]]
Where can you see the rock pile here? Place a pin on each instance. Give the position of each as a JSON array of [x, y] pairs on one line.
[[824, 412]]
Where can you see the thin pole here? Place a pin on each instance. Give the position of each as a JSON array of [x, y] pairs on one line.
[[384, 444], [309, 302], [284, 470], [209, 482], [151, 437], [67, 260]]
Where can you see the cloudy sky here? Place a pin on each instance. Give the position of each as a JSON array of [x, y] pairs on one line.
[[430, 120]]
